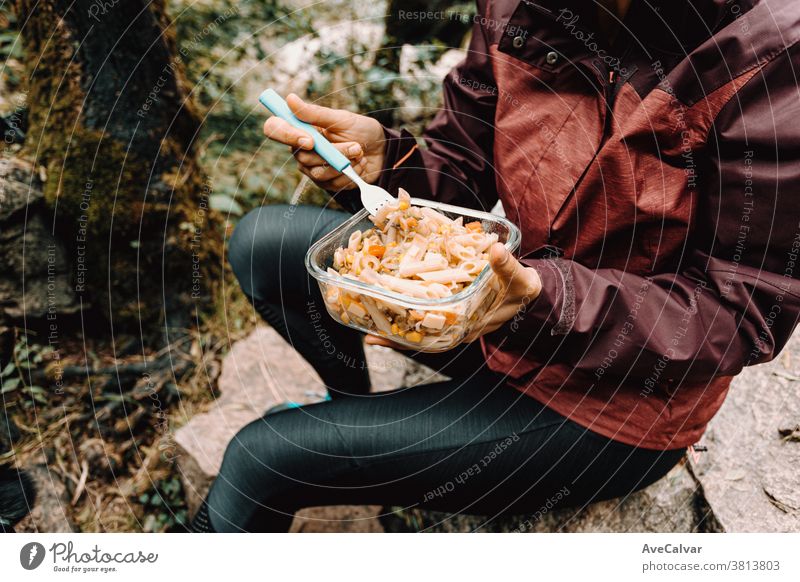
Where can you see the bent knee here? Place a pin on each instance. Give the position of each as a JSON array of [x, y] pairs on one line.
[[293, 443], [253, 245], [256, 444]]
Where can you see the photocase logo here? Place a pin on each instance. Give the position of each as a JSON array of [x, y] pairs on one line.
[[31, 555]]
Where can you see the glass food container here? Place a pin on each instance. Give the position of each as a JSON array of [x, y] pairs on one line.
[[463, 312]]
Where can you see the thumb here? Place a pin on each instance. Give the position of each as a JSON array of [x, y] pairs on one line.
[[502, 263], [315, 114], [511, 272]]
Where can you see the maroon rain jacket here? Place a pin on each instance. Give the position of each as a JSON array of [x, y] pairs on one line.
[[656, 183]]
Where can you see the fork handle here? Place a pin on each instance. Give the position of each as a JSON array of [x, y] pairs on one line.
[[279, 108]]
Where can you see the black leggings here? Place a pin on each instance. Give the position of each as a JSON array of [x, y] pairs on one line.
[[469, 445]]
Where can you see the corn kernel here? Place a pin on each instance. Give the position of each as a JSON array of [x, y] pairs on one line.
[[403, 205], [414, 336], [395, 329]]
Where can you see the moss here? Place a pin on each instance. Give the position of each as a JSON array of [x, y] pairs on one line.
[[129, 201]]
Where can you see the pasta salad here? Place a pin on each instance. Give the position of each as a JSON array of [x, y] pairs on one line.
[[417, 252]]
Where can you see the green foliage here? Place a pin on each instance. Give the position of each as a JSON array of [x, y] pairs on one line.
[[228, 49], [10, 50], [217, 40], [14, 383], [164, 506], [214, 35], [10, 45]]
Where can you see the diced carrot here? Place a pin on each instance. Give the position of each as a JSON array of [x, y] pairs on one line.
[[376, 250], [414, 336], [474, 226], [412, 222], [449, 317]]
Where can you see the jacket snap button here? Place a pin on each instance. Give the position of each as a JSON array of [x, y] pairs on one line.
[[518, 42], [551, 58]]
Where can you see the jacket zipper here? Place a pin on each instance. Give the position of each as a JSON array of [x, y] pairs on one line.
[[611, 91]]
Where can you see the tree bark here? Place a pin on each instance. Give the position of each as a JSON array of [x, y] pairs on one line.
[[111, 133]]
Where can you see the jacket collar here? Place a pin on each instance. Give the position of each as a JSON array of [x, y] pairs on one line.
[[669, 26]]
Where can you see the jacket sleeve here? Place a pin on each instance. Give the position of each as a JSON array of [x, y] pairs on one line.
[[454, 162], [733, 299]]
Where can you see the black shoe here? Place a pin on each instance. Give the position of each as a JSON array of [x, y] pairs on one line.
[[17, 497]]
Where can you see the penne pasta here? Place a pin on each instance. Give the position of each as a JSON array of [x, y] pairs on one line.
[[447, 276], [422, 254]]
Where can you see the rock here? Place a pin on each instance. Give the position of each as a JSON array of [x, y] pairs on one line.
[[52, 500], [28, 246], [670, 505], [19, 186], [260, 371], [750, 473], [338, 519]]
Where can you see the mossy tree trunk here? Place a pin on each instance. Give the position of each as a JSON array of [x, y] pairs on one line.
[[112, 134]]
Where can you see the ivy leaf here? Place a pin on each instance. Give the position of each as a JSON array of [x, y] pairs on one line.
[[9, 385]]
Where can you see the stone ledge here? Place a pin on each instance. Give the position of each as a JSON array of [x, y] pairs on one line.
[[673, 504]]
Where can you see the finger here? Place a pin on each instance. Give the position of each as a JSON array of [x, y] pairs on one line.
[[320, 173], [328, 177], [281, 131], [352, 150], [512, 274], [341, 182], [338, 184], [316, 114]]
